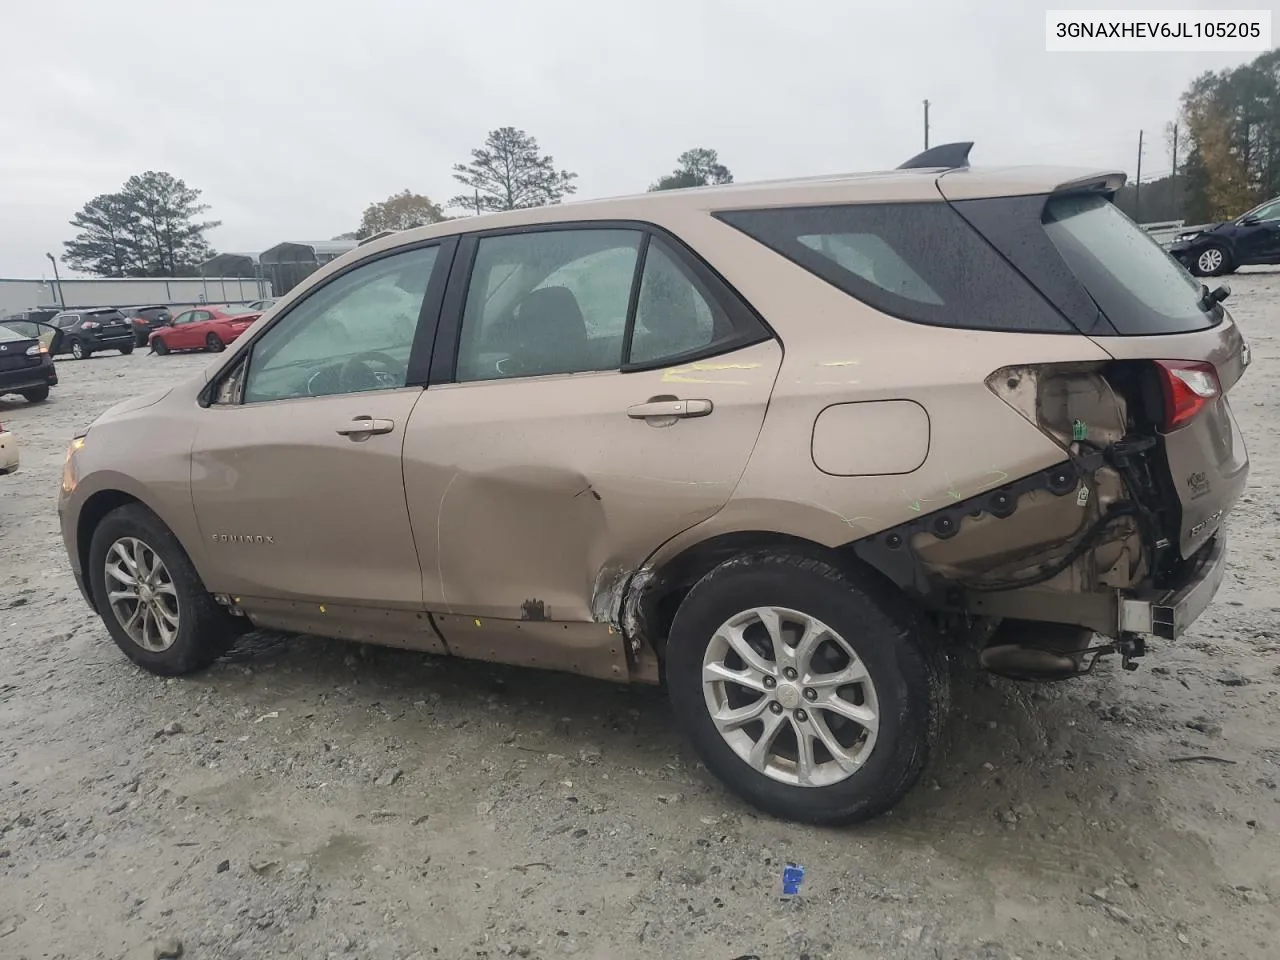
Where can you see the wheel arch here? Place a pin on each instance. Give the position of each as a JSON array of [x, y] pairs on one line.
[[654, 593], [95, 509]]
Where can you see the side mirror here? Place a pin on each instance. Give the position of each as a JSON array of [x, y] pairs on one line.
[[1250, 221]]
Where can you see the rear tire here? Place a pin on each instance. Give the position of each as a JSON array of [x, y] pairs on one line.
[[36, 395], [191, 631], [1213, 261], [79, 351], [125, 351], [159, 347], [881, 728], [213, 343]]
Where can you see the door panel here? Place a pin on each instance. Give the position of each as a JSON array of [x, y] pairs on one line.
[[292, 509], [535, 498]]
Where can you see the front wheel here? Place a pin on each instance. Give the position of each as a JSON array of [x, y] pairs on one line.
[[125, 351], [79, 351], [36, 395], [159, 347], [814, 696], [151, 598], [213, 343], [1212, 261]]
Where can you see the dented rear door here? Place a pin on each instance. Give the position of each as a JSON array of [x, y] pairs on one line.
[[535, 497]]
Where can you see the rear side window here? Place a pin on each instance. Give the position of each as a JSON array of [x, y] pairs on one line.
[[1139, 287], [917, 261]]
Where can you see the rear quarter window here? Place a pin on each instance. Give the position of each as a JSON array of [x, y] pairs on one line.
[[916, 261]]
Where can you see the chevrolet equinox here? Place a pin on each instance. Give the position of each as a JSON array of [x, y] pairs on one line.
[[779, 446]]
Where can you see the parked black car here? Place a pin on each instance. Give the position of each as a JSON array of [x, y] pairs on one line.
[[86, 331], [1222, 247], [145, 320], [26, 358]]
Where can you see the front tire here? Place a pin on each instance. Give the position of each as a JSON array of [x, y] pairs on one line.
[[814, 695], [213, 343], [125, 351], [79, 351], [159, 347], [1213, 261], [151, 598], [36, 395]]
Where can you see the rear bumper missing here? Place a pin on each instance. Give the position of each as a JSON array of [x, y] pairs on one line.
[[1169, 614]]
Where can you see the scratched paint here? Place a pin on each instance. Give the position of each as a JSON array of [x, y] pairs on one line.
[[839, 363], [683, 374]]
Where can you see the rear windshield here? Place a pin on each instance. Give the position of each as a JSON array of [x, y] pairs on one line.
[[918, 261], [101, 315], [7, 333], [1138, 286]]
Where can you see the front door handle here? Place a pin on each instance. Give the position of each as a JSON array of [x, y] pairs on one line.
[[669, 408], [362, 428]]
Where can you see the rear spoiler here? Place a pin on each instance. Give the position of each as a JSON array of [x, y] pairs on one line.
[[945, 155], [1108, 184]]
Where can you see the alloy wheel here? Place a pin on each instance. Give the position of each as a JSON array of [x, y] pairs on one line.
[[142, 595], [1210, 260], [790, 697]]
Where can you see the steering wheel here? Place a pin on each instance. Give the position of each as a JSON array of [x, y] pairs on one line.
[[356, 376]]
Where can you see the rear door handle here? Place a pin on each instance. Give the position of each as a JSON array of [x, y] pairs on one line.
[[669, 408], [362, 427]]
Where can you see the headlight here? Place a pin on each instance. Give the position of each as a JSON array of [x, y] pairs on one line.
[[71, 476], [1183, 237]]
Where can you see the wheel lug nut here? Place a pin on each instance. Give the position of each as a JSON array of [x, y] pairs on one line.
[[775, 707], [770, 683], [801, 716], [810, 694], [789, 673]]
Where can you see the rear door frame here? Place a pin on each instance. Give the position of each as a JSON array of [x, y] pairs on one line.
[[443, 362]]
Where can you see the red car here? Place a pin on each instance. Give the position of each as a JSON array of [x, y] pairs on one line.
[[204, 328]]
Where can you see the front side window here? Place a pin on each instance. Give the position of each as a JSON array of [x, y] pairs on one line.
[[351, 335], [547, 302], [1266, 212], [183, 318]]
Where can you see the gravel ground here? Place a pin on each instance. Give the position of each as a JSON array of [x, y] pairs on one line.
[[318, 799]]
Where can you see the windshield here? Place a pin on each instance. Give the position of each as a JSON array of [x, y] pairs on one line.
[[1139, 287]]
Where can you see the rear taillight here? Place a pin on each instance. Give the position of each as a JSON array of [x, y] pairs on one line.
[[1188, 388]]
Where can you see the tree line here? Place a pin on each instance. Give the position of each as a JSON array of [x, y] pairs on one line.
[[149, 227], [1224, 148]]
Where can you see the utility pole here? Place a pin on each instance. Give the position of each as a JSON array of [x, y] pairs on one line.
[[477, 201], [1137, 184], [926, 124], [57, 282], [1173, 175]]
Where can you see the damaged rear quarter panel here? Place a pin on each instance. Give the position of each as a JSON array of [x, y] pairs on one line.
[[839, 350]]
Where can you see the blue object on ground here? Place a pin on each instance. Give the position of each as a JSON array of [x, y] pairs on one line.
[[792, 877]]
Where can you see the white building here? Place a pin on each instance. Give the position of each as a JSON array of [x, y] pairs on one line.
[[18, 295]]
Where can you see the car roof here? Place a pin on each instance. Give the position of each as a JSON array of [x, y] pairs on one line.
[[911, 185]]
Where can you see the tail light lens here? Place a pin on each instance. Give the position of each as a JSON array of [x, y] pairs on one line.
[[1188, 388], [36, 349]]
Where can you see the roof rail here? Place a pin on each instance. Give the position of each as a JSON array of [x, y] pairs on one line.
[[949, 155], [376, 236]]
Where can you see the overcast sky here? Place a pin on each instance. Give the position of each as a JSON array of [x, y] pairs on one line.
[[292, 116]]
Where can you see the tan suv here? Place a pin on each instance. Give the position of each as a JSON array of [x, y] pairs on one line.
[[773, 444]]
